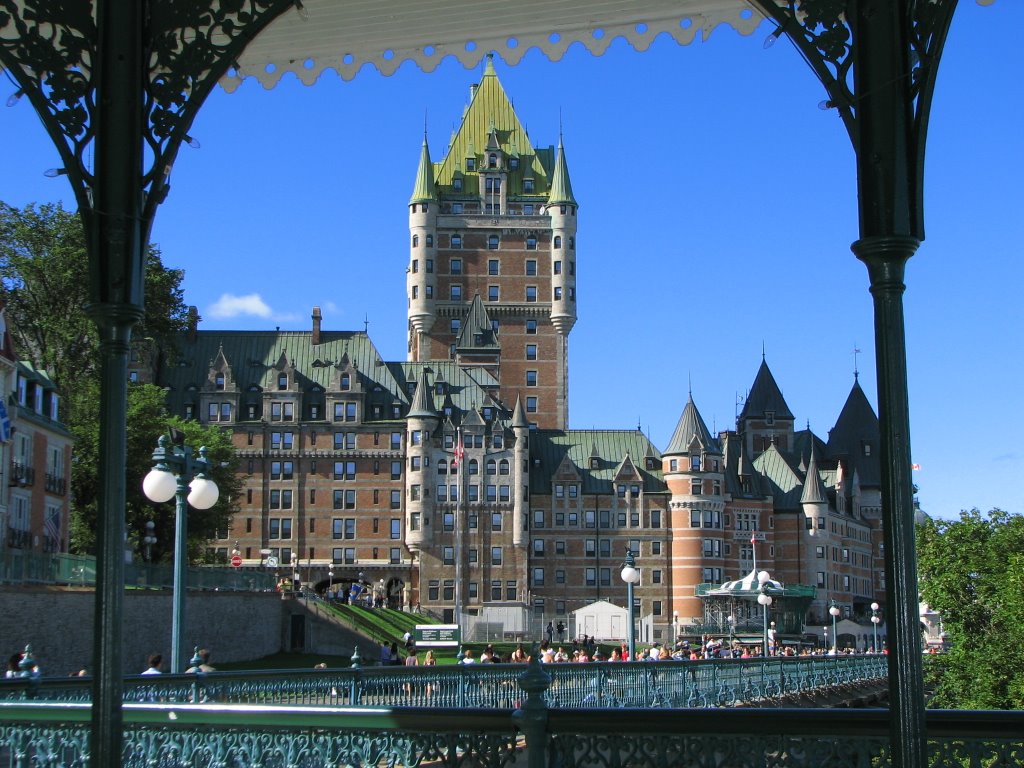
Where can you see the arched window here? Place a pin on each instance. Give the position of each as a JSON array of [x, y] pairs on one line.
[[492, 160], [415, 240], [503, 467], [442, 467], [558, 241], [474, 467], [491, 467]]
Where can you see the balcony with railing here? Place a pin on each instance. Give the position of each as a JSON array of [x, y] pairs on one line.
[[56, 484], [22, 474]]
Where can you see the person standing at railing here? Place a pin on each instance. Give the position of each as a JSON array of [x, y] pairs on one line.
[[154, 661]]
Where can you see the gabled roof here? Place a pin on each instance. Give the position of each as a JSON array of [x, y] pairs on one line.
[[477, 334], [785, 483], [691, 427], [765, 396], [490, 116], [550, 447], [856, 438]]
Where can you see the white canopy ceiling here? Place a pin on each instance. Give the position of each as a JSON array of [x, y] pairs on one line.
[[345, 35]]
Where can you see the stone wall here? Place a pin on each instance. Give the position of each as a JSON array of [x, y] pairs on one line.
[[58, 622]]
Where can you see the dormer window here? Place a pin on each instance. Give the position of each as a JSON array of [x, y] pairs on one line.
[[769, 418], [513, 163], [218, 382], [867, 449], [282, 381], [695, 463], [346, 381], [595, 462], [527, 185], [457, 186], [492, 160], [470, 163]]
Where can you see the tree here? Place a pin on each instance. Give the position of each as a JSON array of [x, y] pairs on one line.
[[972, 571], [147, 419], [44, 285]]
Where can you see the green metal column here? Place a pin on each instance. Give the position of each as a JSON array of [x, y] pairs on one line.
[[887, 142], [116, 248]]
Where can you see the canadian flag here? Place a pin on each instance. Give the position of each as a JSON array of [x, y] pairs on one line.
[[753, 538], [459, 451]]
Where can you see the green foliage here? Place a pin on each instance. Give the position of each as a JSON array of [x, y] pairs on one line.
[[972, 571], [147, 420], [44, 285]]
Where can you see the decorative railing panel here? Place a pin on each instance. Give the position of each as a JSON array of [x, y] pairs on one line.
[[661, 684]]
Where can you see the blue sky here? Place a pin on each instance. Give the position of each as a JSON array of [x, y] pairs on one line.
[[708, 172]]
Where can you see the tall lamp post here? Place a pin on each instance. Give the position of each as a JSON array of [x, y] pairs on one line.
[[765, 600], [875, 619], [149, 539], [176, 474], [631, 575], [834, 612], [824, 631]]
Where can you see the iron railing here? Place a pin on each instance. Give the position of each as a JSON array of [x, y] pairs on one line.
[[596, 685], [246, 736]]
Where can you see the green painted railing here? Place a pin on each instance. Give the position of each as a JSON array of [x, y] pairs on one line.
[[80, 571], [654, 684], [247, 736]]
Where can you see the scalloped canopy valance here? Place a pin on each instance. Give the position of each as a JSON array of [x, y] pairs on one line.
[[345, 36]]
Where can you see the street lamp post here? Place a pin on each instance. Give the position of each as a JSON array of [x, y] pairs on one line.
[[176, 474], [149, 539], [825, 641], [765, 600], [631, 575], [875, 619], [834, 611]]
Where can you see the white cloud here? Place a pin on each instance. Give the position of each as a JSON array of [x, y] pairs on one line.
[[228, 306]]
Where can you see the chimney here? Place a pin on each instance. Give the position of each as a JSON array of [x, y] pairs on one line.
[[193, 322], [316, 325]]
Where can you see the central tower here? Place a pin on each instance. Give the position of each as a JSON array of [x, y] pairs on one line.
[[491, 281]]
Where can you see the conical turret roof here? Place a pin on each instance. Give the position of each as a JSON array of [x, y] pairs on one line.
[[424, 191], [814, 489], [561, 188], [519, 419], [690, 427], [422, 405], [476, 332]]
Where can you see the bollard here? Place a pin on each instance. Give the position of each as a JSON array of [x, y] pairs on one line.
[[532, 717]]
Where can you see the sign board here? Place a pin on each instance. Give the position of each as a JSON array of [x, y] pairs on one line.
[[437, 636], [236, 561], [271, 562]]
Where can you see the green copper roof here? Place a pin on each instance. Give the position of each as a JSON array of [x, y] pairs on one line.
[[561, 189], [491, 119], [422, 406], [423, 191], [549, 448], [477, 334], [691, 427]]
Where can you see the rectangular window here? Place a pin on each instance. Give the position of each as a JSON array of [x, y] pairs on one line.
[[531, 351], [531, 293], [531, 405], [495, 555], [538, 577], [396, 499], [492, 293], [492, 266]]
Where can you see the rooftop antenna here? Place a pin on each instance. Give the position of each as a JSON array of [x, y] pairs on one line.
[[856, 372], [762, 350], [366, 324]]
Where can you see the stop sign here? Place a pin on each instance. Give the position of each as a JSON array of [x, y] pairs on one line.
[[236, 561]]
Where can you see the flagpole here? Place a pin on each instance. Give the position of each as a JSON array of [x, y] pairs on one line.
[[459, 453]]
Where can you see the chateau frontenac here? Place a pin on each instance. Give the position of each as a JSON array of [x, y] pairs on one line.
[[451, 481]]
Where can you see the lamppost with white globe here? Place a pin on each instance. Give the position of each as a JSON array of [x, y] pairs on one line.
[[631, 575], [177, 474], [834, 612], [875, 620], [765, 600], [149, 539]]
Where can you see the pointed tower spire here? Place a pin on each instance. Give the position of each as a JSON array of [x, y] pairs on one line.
[[424, 190], [561, 188], [814, 489], [422, 406], [519, 419], [691, 427]]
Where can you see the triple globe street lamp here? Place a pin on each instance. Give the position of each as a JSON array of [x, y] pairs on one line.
[[177, 474]]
